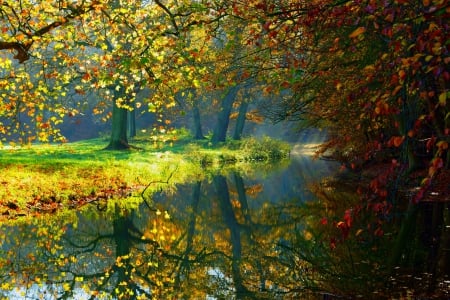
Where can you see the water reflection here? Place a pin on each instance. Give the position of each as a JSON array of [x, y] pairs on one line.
[[226, 237]]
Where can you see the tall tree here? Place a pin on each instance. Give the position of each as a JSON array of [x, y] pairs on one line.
[[223, 117], [31, 107], [128, 46], [230, 77]]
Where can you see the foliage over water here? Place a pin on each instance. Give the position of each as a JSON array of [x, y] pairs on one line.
[[271, 233]]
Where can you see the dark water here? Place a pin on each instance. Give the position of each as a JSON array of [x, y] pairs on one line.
[[230, 236]]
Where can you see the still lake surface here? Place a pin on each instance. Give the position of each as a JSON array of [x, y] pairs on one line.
[[231, 236]]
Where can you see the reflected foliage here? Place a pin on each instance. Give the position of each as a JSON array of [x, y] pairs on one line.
[[226, 237]]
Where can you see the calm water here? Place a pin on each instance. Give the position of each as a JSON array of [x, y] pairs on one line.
[[232, 236]]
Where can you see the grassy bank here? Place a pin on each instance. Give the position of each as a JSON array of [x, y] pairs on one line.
[[47, 178]]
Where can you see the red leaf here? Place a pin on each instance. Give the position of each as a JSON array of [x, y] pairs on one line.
[[86, 76], [348, 218], [332, 243], [430, 143], [378, 232]]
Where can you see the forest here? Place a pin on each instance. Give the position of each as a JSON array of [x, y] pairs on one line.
[[97, 97]]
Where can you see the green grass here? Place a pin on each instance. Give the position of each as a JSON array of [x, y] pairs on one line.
[[42, 178]]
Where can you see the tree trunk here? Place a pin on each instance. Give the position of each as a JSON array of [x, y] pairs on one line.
[[119, 140], [184, 265], [405, 234], [240, 122], [122, 239], [132, 123], [231, 222], [198, 134], [444, 253], [414, 162], [223, 119]]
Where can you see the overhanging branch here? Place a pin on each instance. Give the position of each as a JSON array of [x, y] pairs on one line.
[[22, 48]]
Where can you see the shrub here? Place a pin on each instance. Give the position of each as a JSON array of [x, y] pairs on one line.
[[264, 149]]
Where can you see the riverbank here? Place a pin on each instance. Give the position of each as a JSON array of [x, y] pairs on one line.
[[47, 178]]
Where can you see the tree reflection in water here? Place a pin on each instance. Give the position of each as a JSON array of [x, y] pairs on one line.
[[220, 238]]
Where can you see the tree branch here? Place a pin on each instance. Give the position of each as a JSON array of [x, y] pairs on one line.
[[171, 16], [22, 48]]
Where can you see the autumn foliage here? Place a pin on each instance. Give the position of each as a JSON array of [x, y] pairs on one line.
[[398, 88], [373, 73]]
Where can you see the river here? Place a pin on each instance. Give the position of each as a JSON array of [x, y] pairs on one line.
[[262, 235]]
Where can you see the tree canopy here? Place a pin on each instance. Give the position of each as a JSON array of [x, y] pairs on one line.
[[373, 73]]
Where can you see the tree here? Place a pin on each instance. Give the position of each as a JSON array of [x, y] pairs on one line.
[[24, 27], [230, 44], [30, 108], [379, 68], [141, 44], [223, 118], [399, 99], [240, 121]]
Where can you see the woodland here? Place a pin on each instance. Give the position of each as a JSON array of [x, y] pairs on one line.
[[373, 74], [378, 67]]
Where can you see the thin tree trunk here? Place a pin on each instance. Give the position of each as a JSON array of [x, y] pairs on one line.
[[184, 265], [405, 234], [242, 197], [132, 123], [198, 133], [444, 253], [240, 122]]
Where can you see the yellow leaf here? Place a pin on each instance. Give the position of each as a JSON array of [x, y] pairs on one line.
[[369, 68], [442, 145], [289, 22], [66, 286], [443, 99], [357, 32], [59, 46], [196, 83], [5, 286], [431, 171], [396, 90]]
